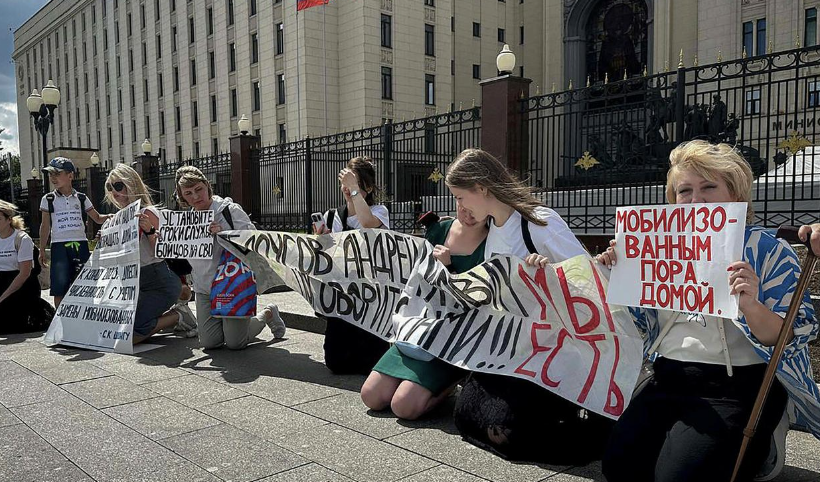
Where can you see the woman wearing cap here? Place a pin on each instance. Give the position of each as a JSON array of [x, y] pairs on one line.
[[64, 211], [159, 287], [20, 302], [194, 189]]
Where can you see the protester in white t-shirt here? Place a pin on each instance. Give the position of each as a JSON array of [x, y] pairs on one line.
[[349, 349], [63, 211], [688, 421], [19, 288], [159, 287], [512, 416]]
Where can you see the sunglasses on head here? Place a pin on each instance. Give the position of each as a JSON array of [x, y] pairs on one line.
[[117, 186]]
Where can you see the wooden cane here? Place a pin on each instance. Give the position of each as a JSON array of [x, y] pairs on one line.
[[789, 234]]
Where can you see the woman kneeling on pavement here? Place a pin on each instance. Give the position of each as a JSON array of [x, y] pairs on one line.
[[159, 287], [194, 190], [687, 423], [408, 379]]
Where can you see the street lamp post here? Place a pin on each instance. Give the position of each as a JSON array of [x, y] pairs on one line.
[[41, 108]]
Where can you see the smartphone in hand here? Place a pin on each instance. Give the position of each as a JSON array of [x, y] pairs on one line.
[[319, 226]]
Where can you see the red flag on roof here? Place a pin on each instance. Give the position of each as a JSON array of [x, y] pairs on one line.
[[303, 4]]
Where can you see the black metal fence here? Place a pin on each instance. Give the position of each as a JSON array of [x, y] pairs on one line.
[[299, 178], [607, 145]]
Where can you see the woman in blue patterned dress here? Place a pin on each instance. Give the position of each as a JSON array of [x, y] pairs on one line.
[[687, 423]]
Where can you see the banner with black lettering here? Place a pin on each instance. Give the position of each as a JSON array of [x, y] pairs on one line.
[[98, 310], [185, 235], [676, 257], [550, 325]]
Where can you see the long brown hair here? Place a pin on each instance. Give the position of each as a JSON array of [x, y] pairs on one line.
[[474, 167], [366, 174]]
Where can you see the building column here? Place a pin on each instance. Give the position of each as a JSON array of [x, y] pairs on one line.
[[244, 178], [503, 121]]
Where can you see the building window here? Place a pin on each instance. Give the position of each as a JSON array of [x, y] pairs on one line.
[[145, 90], [193, 72], [176, 78], [156, 10], [211, 65], [452, 24], [133, 96], [521, 71], [387, 83], [748, 37], [257, 98], [521, 35], [283, 134], [213, 108], [280, 89], [252, 7], [387, 31], [144, 54], [191, 30], [761, 36], [429, 89], [142, 16], [179, 152], [210, 21], [230, 12], [130, 60], [254, 48], [231, 57], [234, 107], [476, 29], [133, 130], [810, 34], [429, 40], [814, 94], [280, 38], [753, 101], [128, 28], [214, 145], [174, 39], [160, 88], [476, 71], [173, 5], [196, 149], [430, 3], [147, 127], [195, 113], [161, 123]]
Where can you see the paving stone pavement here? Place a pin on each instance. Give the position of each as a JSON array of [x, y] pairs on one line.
[[271, 413]]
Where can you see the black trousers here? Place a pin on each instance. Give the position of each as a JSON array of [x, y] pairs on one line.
[[23, 311], [536, 425], [687, 425], [351, 350]]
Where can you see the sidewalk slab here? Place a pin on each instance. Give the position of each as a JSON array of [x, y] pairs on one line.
[[442, 473], [348, 410], [193, 391], [159, 418], [355, 455], [262, 418], [233, 454], [108, 392], [307, 473], [24, 456]]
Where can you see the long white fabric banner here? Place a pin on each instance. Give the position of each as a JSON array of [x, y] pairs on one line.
[[551, 325], [98, 310]]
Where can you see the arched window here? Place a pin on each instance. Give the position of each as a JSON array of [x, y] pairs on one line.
[[616, 37]]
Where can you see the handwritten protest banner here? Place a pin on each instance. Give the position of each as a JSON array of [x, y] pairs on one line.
[[98, 310], [185, 235], [550, 325], [675, 257]]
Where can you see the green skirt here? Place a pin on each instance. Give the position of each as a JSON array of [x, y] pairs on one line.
[[435, 375]]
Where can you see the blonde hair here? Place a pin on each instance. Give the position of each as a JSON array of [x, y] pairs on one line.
[[474, 167], [712, 162], [11, 211], [133, 182], [187, 177]]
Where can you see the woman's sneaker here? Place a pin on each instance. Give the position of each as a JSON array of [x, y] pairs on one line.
[[186, 326], [776, 459], [273, 320]]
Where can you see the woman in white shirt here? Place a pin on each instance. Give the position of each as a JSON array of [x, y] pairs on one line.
[[508, 415], [687, 423], [159, 287], [349, 349], [20, 302]]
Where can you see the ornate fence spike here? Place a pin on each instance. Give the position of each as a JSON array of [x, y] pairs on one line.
[[743, 54], [645, 71], [588, 84], [695, 61], [570, 85], [625, 75], [797, 41], [553, 88], [606, 78], [720, 56], [770, 48], [680, 59]]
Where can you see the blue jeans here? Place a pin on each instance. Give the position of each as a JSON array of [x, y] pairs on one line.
[[67, 259]]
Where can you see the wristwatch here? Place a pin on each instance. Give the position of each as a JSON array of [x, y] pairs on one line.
[[354, 193], [151, 231]]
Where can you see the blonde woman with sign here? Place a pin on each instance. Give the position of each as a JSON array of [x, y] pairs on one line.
[[23, 310], [159, 287], [194, 189], [687, 423], [511, 416]]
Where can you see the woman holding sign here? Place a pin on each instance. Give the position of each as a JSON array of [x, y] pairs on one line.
[[687, 423], [194, 190], [408, 379], [159, 287], [348, 348], [511, 416]]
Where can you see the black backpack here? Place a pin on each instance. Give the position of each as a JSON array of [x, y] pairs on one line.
[[342, 212], [80, 195]]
